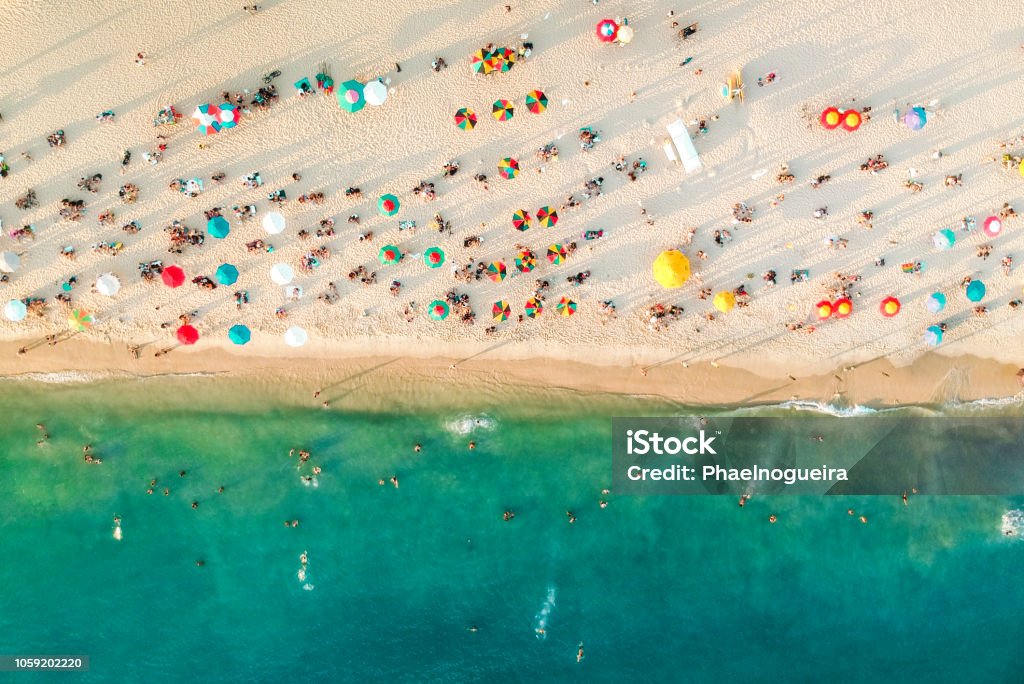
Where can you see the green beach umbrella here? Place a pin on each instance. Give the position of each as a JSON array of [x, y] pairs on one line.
[[438, 310], [389, 254], [501, 311], [388, 205], [433, 257], [350, 96], [218, 227], [227, 274], [239, 334]]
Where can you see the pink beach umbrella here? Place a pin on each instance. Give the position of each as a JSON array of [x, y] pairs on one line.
[[993, 226]]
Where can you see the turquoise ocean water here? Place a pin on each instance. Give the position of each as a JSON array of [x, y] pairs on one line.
[[656, 589]]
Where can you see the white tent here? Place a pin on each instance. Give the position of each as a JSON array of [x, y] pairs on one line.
[[685, 152]]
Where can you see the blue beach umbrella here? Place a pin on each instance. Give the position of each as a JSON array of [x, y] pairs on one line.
[[227, 274], [936, 302], [933, 335], [218, 227], [239, 334], [976, 291]]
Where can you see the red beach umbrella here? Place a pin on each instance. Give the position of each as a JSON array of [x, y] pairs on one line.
[[830, 118], [823, 309], [851, 120], [607, 30], [173, 276], [890, 306], [188, 335], [842, 307]]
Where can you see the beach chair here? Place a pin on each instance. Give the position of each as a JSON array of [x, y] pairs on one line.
[[733, 87]]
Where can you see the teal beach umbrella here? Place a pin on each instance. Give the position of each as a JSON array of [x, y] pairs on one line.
[[218, 227], [227, 274], [239, 334], [350, 96], [976, 291], [936, 302], [933, 335]]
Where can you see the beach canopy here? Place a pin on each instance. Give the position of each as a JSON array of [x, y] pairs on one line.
[[350, 96], [889, 307], [536, 101], [389, 254], [547, 217], [625, 35], [173, 276], [830, 118], [502, 110], [851, 120], [607, 29], [465, 119], [438, 310], [218, 227], [187, 335], [501, 311], [556, 254], [842, 307], [388, 205], [521, 219], [281, 274], [274, 223], [933, 335], [915, 118], [534, 307], [227, 274], [80, 320], [944, 239], [228, 115], [239, 334], [976, 291], [9, 262], [508, 168], [993, 226], [15, 310], [566, 307], [724, 301], [207, 119], [936, 302], [526, 261], [671, 269], [433, 257], [823, 309], [375, 92], [497, 271], [108, 284], [295, 336]]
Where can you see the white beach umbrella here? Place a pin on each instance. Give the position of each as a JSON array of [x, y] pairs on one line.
[[375, 92], [9, 262], [108, 284], [15, 310], [282, 274], [295, 336], [273, 223]]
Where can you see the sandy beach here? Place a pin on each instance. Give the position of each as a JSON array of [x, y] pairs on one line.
[[64, 65]]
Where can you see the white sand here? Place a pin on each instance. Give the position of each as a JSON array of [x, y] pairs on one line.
[[61, 65]]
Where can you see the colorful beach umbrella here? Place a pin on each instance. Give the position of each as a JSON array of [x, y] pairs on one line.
[[187, 335], [502, 110], [976, 291], [890, 306], [480, 62], [239, 334], [915, 118], [842, 307], [851, 120], [671, 269], [227, 274], [831, 118], [547, 217], [15, 310], [497, 271], [173, 276], [823, 309], [944, 239], [108, 285], [350, 96], [508, 168], [9, 262], [521, 219], [281, 274], [389, 254], [508, 58], [274, 223], [295, 336], [566, 307], [501, 311], [496, 62], [465, 119], [433, 257], [556, 254], [935, 303], [534, 307], [206, 118], [526, 261], [218, 227], [80, 320], [438, 310], [724, 301], [607, 29], [993, 226], [388, 205], [375, 92], [536, 101], [933, 335], [228, 115]]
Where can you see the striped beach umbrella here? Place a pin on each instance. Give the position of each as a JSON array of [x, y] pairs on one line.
[[502, 110], [547, 217], [206, 118], [976, 291], [480, 62], [933, 335], [227, 274], [389, 254], [935, 303], [173, 276], [521, 219], [509, 58], [526, 261], [465, 119], [501, 311], [350, 96], [536, 101], [842, 307], [80, 320], [295, 336], [187, 335], [724, 301], [15, 310], [944, 239], [497, 271], [438, 310], [607, 30], [534, 307], [433, 257], [823, 309], [239, 334], [567, 307], [556, 254], [508, 168], [228, 115], [388, 205], [831, 118], [851, 120], [890, 306], [218, 227]]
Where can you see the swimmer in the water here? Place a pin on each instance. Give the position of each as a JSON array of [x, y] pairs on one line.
[[381, 482], [195, 504], [572, 518], [863, 518], [417, 448], [220, 490], [167, 492], [472, 445], [604, 504], [772, 518], [394, 481], [304, 559], [904, 498], [182, 473], [743, 500], [579, 653], [507, 516]]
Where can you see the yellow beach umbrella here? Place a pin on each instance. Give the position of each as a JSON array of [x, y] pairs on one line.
[[724, 301], [1022, 167], [671, 269]]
